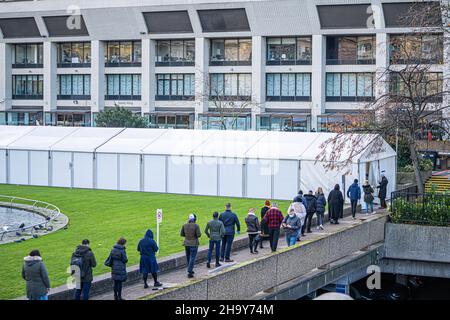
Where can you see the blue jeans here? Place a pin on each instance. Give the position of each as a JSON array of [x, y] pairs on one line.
[[41, 298], [191, 254], [213, 243], [227, 243], [291, 238], [369, 204], [320, 218], [85, 288]]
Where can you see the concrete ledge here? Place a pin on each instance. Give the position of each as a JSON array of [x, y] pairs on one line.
[[194, 290], [416, 242], [416, 268], [244, 281]]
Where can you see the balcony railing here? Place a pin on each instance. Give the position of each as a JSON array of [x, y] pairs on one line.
[[350, 61]]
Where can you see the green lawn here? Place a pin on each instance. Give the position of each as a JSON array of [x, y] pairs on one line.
[[103, 217]]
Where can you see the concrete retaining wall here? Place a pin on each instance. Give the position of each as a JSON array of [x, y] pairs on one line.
[[420, 243], [246, 280]]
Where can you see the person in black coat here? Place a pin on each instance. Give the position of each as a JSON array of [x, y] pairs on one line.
[[336, 204], [383, 191], [148, 248], [311, 208], [264, 226], [117, 261]]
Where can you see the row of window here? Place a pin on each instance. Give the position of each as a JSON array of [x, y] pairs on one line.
[[427, 48], [340, 87]]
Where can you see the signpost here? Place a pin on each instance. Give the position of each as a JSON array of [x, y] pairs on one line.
[[159, 216]]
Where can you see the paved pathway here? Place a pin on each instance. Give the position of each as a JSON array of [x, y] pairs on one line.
[[179, 276]]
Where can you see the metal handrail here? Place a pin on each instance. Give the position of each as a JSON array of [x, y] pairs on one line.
[[50, 212]]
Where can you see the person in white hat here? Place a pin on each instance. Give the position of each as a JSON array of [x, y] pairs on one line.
[[191, 232]]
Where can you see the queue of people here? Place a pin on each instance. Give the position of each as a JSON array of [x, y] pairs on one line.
[[220, 230]]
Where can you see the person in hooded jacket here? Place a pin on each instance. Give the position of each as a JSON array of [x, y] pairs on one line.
[[36, 276], [336, 204], [253, 229], [320, 209], [311, 208], [291, 224], [300, 212], [117, 261], [85, 254], [383, 191], [148, 248]]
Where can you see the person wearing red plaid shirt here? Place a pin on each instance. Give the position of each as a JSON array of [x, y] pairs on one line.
[[274, 218]]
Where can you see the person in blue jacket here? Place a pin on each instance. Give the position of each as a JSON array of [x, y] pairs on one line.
[[230, 220], [354, 193], [148, 248]]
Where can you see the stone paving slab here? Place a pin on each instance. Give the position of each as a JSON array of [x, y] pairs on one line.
[[179, 276]]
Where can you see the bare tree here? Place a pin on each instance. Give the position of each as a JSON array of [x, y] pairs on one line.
[[228, 107], [412, 97]]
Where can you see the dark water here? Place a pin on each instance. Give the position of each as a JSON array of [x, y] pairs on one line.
[[13, 218]]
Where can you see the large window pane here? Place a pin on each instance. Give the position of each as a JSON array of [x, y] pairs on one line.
[[113, 52], [163, 51], [77, 52], [217, 50], [21, 54], [347, 49], [87, 52], [245, 85], [189, 46], [87, 85], [245, 50], [274, 49], [304, 49], [231, 50], [176, 50], [288, 49], [77, 85], [136, 85], [125, 85], [137, 52], [366, 48], [126, 52]]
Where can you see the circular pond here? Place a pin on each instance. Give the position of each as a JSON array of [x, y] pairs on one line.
[[12, 218]]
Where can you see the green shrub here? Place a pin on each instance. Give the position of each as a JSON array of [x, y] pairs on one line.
[[431, 209]]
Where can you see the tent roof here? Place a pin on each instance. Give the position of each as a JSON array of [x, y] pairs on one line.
[[131, 141], [207, 143], [41, 138], [86, 140], [9, 134]]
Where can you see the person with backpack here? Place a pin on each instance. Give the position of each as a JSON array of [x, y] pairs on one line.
[[230, 220], [214, 231], [117, 261], [148, 248], [311, 208], [253, 229], [36, 276], [368, 196], [82, 263], [354, 193], [320, 210], [291, 224], [191, 233]]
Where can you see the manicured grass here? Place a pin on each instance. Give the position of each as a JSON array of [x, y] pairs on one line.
[[103, 217]]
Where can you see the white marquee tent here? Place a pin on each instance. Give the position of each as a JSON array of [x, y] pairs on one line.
[[253, 164]]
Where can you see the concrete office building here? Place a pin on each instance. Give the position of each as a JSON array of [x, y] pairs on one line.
[[287, 64]]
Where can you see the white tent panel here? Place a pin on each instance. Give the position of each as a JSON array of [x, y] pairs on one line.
[[39, 168], [2, 166], [18, 168], [83, 170], [315, 175], [285, 179], [42, 138], [154, 173], [8, 134], [228, 144], [259, 179], [230, 177], [178, 142], [131, 141], [130, 172], [205, 176], [107, 171], [86, 140], [178, 174], [62, 169], [278, 145]]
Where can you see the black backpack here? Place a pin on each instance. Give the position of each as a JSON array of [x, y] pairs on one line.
[[78, 261]]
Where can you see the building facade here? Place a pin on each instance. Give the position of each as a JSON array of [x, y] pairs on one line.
[[291, 65]]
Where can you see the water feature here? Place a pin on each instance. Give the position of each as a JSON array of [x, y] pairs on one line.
[[12, 218]]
